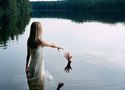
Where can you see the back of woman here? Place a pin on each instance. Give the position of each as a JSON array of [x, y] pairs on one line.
[[36, 65]]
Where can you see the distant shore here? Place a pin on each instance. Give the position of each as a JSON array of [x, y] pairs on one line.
[[106, 6], [63, 9]]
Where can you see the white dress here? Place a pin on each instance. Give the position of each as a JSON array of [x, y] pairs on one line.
[[36, 66], [36, 69]]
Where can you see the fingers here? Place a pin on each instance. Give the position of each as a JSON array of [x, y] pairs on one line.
[[59, 49]]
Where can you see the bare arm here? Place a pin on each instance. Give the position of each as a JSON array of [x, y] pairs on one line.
[[44, 43], [28, 56]]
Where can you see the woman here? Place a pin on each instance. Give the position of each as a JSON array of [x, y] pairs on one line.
[[35, 61], [35, 44]]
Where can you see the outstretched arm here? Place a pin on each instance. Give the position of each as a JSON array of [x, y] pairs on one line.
[[44, 43]]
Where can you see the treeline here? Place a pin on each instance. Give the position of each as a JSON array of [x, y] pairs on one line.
[[81, 17], [48, 5], [96, 5], [81, 5], [15, 6], [14, 15], [107, 11]]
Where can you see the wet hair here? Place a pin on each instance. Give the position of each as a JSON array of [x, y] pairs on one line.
[[34, 39]]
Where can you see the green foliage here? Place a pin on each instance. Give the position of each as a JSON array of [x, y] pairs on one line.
[[15, 6], [51, 5], [14, 15], [96, 4], [81, 5]]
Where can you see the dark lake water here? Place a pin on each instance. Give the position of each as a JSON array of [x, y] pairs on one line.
[[98, 51]]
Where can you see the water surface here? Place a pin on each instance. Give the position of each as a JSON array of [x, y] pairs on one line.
[[98, 56]]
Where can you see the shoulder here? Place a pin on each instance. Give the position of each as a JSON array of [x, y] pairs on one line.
[[44, 43], [40, 42], [34, 43]]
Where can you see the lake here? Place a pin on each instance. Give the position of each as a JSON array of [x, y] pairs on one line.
[[98, 51]]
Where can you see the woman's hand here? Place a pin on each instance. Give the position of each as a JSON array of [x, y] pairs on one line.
[[27, 69], [58, 48]]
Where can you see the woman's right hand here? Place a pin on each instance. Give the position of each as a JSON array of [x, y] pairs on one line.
[[59, 48]]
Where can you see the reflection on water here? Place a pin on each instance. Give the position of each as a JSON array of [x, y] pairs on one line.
[[80, 17], [11, 25], [98, 57], [36, 84]]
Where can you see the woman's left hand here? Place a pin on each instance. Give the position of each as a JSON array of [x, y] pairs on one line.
[[59, 48], [27, 69]]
